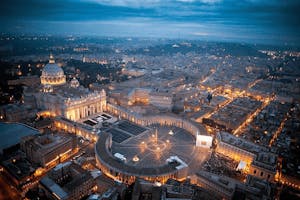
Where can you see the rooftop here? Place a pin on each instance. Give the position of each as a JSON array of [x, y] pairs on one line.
[[11, 133], [67, 91], [18, 166], [62, 189], [266, 160], [224, 182], [53, 187], [240, 143], [46, 142]]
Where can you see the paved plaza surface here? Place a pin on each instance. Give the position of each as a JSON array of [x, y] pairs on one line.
[[154, 146]]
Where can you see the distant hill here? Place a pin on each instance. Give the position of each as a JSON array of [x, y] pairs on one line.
[[211, 48]]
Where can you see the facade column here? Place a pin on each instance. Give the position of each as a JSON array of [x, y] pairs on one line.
[[85, 111], [76, 114], [82, 112]]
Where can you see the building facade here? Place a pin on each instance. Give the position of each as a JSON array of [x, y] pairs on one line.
[[60, 98], [260, 161], [47, 150], [67, 181]]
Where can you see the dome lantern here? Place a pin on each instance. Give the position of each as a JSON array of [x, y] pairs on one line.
[[51, 60]]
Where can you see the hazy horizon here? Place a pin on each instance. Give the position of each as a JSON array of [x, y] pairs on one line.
[[249, 21]]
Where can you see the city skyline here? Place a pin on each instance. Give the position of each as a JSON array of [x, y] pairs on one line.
[[251, 21]]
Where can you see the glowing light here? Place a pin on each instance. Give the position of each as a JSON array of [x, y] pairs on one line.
[[135, 159], [39, 172], [157, 184]]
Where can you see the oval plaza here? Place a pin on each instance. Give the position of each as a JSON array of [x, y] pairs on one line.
[[154, 148]]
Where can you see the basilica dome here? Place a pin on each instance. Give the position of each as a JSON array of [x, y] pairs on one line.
[[52, 74]]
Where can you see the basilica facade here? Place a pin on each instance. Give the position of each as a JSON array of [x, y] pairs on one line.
[[57, 97]]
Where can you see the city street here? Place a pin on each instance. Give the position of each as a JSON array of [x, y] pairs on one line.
[[7, 192]]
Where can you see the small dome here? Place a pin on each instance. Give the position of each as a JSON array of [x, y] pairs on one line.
[[74, 83], [52, 74]]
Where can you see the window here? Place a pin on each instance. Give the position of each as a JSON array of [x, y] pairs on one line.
[[254, 171], [261, 173]]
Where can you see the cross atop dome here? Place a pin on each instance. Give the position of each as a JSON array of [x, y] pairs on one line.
[[51, 60]]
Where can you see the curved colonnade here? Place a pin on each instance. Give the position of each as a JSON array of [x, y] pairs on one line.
[[119, 170]]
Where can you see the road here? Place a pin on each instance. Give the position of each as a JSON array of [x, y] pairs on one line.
[[7, 192]]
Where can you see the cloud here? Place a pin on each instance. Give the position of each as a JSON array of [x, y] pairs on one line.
[[128, 3], [200, 34], [201, 1], [149, 3], [158, 17]]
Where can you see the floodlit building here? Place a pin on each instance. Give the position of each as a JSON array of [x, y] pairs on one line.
[[60, 98], [79, 129], [261, 162], [47, 150], [237, 148], [204, 141], [264, 166], [139, 95], [161, 100]]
